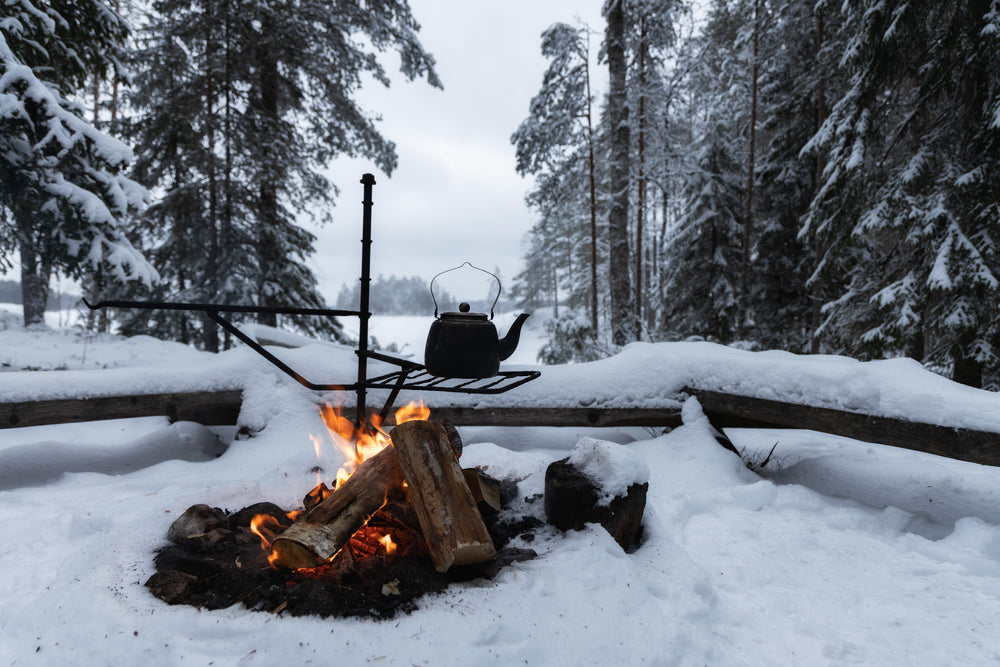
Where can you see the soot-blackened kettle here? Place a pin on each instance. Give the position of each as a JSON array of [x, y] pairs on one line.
[[466, 344]]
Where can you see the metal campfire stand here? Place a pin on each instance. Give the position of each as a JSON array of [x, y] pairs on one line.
[[410, 376]]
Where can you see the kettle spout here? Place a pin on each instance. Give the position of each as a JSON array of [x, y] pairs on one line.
[[509, 342]]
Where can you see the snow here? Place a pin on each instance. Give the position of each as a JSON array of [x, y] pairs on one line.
[[837, 552], [610, 466]]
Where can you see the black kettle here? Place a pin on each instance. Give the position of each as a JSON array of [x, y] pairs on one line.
[[465, 344]]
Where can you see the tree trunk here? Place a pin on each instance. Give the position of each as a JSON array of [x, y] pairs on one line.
[[641, 185], [593, 198], [744, 309], [268, 220], [226, 223], [34, 286], [966, 370], [210, 329], [622, 319], [814, 295]]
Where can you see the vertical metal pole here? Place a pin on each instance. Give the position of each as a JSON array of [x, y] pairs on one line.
[[368, 180]]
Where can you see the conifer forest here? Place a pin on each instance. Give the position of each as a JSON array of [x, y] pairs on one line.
[[814, 176]]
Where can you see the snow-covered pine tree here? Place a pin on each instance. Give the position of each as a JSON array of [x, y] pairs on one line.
[[183, 56], [798, 68], [651, 92], [703, 252], [622, 315], [62, 191], [558, 256], [556, 144], [264, 97], [702, 255], [909, 194]]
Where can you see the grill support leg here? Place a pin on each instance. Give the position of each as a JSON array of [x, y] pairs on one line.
[[368, 180]]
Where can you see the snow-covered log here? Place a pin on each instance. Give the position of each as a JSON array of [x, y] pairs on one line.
[[734, 411], [212, 408]]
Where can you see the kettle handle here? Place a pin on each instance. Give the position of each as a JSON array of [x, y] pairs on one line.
[[469, 264]]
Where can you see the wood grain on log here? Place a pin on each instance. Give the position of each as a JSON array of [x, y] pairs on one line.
[[451, 523], [559, 416]]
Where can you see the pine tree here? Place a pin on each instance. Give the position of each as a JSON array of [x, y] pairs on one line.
[[704, 251], [798, 68], [260, 97], [909, 196], [62, 192], [652, 45], [556, 143], [703, 257]]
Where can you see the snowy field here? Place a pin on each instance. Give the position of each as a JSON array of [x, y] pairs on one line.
[[844, 553]]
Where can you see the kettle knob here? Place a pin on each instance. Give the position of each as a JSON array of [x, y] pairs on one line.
[[463, 307]]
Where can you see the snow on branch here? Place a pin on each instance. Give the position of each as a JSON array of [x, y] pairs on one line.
[[64, 126]]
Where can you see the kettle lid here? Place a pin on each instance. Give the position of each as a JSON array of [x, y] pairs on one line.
[[464, 315]]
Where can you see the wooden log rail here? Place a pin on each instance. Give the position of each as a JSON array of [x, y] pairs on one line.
[[212, 408], [723, 411], [733, 411]]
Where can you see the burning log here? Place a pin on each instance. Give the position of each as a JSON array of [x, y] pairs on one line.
[[452, 525], [331, 520], [315, 538]]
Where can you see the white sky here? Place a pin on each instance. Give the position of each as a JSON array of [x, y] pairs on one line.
[[454, 195]]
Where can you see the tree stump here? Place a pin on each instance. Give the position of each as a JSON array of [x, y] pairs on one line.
[[572, 500]]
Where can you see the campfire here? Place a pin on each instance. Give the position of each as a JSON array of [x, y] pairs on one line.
[[412, 471], [400, 519]]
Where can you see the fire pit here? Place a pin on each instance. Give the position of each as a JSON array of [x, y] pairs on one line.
[[402, 520]]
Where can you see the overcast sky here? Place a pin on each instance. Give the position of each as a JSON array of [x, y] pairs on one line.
[[454, 196]]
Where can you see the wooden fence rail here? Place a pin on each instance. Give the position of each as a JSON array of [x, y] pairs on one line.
[[723, 411]]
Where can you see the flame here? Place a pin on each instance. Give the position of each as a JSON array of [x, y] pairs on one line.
[[261, 525], [360, 444], [317, 445], [357, 445], [390, 546], [413, 411]]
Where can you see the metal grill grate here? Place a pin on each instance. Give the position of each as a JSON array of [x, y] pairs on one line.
[[419, 378]]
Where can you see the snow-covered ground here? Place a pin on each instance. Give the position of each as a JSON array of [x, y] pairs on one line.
[[840, 553]]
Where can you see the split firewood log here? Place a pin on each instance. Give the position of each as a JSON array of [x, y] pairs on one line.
[[485, 491], [451, 523]]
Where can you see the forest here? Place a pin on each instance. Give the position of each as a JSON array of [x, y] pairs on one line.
[[812, 176], [817, 177]]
